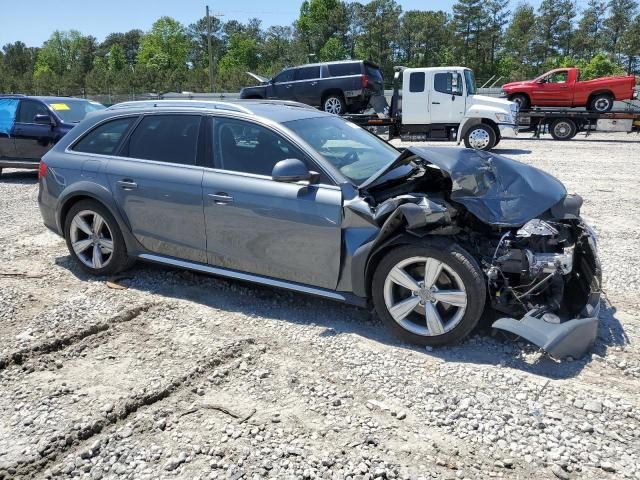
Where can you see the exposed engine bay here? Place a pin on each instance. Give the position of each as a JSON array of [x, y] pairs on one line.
[[537, 255]]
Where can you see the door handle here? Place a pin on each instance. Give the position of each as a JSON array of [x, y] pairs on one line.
[[289, 86], [314, 83], [221, 198], [435, 103], [127, 184]]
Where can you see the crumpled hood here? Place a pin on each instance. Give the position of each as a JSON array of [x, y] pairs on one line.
[[498, 190]]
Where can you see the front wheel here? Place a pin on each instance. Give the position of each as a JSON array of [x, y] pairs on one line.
[[94, 239], [429, 295], [521, 99], [480, 137]]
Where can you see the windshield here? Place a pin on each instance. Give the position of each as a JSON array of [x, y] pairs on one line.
[[73, 110], [355, 152], [470, 81]]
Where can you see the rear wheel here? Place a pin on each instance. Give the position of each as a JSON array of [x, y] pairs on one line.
[[429, 295], [563, 129], [521, 99], [94, 239], [480, 137], [601, 103], [334, 104]]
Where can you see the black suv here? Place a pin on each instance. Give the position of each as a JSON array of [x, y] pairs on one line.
[[336, 87], [30, 126]]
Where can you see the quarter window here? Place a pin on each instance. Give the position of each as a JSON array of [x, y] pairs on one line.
[[249, 148], [344, 69], [166, 138], [29, 109], [416, 82], [104, 139], [308, 73]]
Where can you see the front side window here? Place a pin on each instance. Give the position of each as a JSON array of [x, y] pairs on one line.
[[308, 73], [444, 83], [558, 77], [416, 82], [8, 109], [356, 153], [245, 147], [104, 139], [29, 109], [166, 138], [284, 76]]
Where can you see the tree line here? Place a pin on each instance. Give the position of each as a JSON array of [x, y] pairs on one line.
[[603, 37]]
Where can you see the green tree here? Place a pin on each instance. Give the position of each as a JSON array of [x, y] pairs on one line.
[[18, 62], [588, 36], [380, 27], [520, 38], [319, 21], [631, 45], [620, 14], [332, 50], [600, 66]]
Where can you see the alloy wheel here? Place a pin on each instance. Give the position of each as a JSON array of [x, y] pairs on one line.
[[603, 104], [425, 296], [333, 105], [91, 239]]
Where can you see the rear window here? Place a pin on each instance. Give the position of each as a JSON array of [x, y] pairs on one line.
[[343, 69], [166, 138], [308, 73], [104, 139]]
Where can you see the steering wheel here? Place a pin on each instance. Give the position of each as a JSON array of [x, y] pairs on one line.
[[350, 157]]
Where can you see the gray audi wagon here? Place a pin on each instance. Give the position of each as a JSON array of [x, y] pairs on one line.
[[284, 195]]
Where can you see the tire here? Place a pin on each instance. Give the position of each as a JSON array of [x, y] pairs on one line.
[[458, 269], [335, 104], [563, 129], [480, 137], [522, 100], [112, 262], [601, 103]]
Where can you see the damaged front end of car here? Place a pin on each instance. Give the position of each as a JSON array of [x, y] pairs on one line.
[[538, 257]]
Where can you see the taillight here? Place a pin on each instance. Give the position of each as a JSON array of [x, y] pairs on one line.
[[365, 81], [42, 169]]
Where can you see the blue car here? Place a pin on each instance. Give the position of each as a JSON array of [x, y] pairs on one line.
[[30, 126]]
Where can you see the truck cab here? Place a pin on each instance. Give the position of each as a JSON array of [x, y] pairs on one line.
[[442, 103]]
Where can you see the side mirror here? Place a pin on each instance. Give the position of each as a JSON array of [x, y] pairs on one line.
[[292, 170], [43, 119]]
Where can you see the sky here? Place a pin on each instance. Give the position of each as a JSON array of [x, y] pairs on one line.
[[33, 21]]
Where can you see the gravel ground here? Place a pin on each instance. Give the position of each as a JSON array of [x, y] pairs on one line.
[[186, 376]]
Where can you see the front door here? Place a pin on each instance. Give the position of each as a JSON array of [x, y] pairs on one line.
[[8, 110], [159, 187], [281, 87], [554, 90], [32, 140], [288, 231], [446, 98]]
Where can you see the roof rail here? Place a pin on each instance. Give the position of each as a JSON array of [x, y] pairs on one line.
[[181, 103]]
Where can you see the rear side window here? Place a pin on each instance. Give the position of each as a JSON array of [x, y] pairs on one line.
[[443, 82], [416, 82], [308, 73], [104, 139], [166, 138], [29, 109], [344, 69]]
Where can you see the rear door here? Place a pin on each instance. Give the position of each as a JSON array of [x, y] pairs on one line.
[[32, 140], [281, 87], [415, 98], [158, 186], [288, 231], [8, 111], [446, 98], [306, 88]]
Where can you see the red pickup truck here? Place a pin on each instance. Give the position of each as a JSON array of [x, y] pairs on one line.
[[562, 88]]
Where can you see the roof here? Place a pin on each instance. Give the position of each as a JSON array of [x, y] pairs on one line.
[[275, 110], [353, 60], [44, 98]]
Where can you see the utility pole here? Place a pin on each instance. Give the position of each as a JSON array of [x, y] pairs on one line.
[[210, 50]]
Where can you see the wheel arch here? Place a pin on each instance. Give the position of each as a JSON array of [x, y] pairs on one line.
[[93, 192], [603, 91]]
